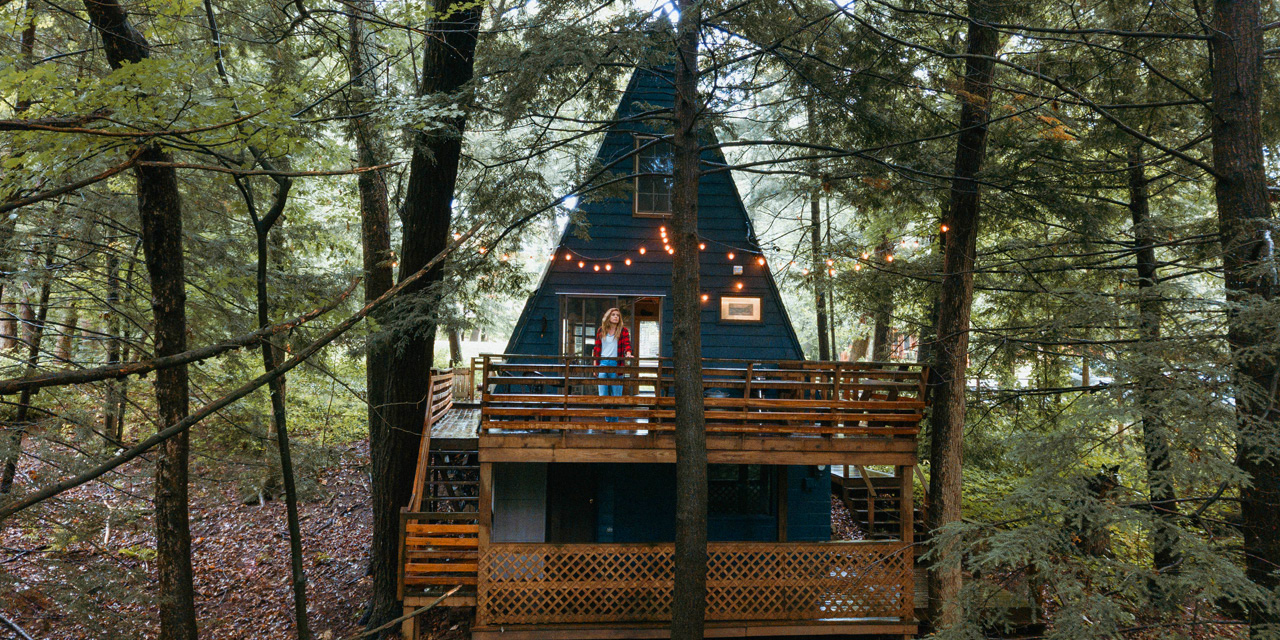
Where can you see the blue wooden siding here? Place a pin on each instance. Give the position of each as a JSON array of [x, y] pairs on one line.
[[615, 234], [636, 503]]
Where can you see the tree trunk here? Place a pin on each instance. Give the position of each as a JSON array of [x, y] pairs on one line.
[[1248, 248], [455, 347], [955, 301], [1155, 431], [815, 240], [112, 421], [883, 312], [160, 214], [447, 65], [9, 224], [271, 359], [689, 597], [70, 326], [22, 415]]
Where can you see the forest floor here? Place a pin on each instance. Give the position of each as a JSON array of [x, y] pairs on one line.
[[58, 586]]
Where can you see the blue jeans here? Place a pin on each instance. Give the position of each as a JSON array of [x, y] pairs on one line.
[[609, 389]]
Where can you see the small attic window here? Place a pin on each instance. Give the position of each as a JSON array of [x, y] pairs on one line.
[[654, 168]]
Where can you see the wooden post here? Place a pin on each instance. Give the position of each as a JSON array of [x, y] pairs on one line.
[[908, 534], [404, 526], [484, 505]]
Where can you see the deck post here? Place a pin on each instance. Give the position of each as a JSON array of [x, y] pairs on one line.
[[484, 505], [907, 504]]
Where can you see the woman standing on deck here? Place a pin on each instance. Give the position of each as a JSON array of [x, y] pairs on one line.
[[612, 340]]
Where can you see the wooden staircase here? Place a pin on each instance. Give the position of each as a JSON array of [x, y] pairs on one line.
[[439, 530], [874, 501]]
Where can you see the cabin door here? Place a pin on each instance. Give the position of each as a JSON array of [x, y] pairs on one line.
[[582, 316]]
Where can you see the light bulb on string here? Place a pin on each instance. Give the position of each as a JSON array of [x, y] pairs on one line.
[[702, 246], [730, 255], [641, 250], [832, 273], [596, 267], [830, 262], [857, 267], [888, 258], [945, 228], [804, 272], [760, 261], [627, 261], [581, 264], [608, 267], [865, 255], [705, 297], [738, 286], [568, 256]]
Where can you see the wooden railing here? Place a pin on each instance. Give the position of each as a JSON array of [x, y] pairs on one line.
[[437, 550], [439, 401], [543, 393], [582, 583]]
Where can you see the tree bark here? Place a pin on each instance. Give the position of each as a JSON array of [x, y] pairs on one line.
[[455, 347], [9, 224], [447, 65], [1248, 248], [160, 213], [815, 241], [955, 301], [112, 420], [883, 314], [1155, 431], [21, 416], [689, 597]]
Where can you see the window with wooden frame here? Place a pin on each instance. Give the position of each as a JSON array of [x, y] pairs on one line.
[[739, 490], [654, 171]]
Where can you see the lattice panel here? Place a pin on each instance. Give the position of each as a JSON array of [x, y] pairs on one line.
[[537, 584]]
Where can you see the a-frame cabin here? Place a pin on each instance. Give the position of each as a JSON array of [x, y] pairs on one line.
[[574, 491], [622, 260]]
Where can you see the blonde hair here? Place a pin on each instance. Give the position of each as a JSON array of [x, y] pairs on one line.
[[605, 321]]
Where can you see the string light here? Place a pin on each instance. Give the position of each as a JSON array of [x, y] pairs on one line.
[[738, 286], [888, 258], [804, 272], [865, 255], [705, 297], [857, 267], [702, 245], [832, 273], [641, 250], [596, 267], [568, 256], [456, 235], [760, 261], [830, 262], [482, 250], [581, 264], [730, 255], [628, 261], [945, 228], [504, 257], [608, 267]]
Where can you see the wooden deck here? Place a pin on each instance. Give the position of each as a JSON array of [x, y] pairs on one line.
[[548, 409]]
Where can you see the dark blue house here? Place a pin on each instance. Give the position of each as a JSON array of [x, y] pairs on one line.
[[623, 261]]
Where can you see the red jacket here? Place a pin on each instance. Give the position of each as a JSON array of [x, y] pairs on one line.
[[624, 344]]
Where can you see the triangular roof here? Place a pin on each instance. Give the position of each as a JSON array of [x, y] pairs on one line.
[[616, 234]]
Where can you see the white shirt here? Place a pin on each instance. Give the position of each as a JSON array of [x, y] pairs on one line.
[[608, 346]]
